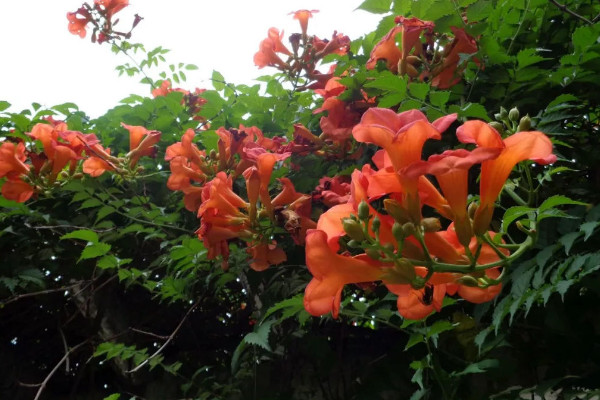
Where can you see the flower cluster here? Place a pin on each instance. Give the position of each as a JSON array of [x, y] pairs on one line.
[[59, 160], [207, 184], [100, 15], [360, 241], [307, 51], [436, 59]]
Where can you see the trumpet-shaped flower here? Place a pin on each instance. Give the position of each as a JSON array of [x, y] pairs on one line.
[[530, 145]]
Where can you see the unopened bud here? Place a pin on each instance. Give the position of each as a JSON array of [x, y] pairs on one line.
[[408, 228], [401, 273], [398, 232], [373, 253], [353, 229], [467, 280], [395, 209], [499, 126], [389, 247], [353, 244], [376, 224], [513, 114], [213, 154], [78, 175], [498, 117], [503, 113], [431, 224], [524, 124], [472, 209], [363, 210]]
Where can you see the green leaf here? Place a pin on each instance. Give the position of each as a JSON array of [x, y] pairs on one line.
[[103, 212], [439, 327], [414, 339], [563, 286], [89, 203], [83, 234], [114, 396], [260, 337], [474, 110], [376, 6], [478, 367], [513, 214], [4, 105], [218, 80], [388, 81], [419, 90], [295, 303], [558, 200], [439, 98], [588, 228], [527, 57], [94, 250], [568, 240]]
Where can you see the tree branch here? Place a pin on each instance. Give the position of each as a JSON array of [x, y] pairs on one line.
[[169, 339], [564, 8], [56, 367]]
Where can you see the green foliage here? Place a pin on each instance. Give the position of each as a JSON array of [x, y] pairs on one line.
[[113, 262]]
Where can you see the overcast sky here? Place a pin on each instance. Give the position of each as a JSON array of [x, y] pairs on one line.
[[42, 62]]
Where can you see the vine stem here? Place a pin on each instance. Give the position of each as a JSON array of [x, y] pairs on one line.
[[564, 8]]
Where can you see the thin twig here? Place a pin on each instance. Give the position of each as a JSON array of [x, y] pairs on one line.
[[67, 226], [56, 367], [169, 339], [66, 346], [154, 335], [564, 8], [33, 294]]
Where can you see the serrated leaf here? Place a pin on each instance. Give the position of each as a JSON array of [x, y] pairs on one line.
[[513, 214], [544, 255], [478, 367], [439, 98], [418, 90], [89, 203], [218, 80], [527, 57], [558, 200], [588, 228], [296, 303], [94, 250], [83, 234], [261, 336], [439, 327], [376, 6], [103, 212], [414, 339], [568, 240], [563, 286]]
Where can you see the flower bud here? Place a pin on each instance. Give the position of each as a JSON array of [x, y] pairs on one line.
[[373, 253], [472, 209], [431, 224], [353, 244], [389, 247], [499, 126], [467, 280], [408, 228], [353, 229], [213, 154], [376, 224], [363, 210], [524, 124], [503, 113], [401, 273], [395, 209], [398, 232], [513, 114], [498, 117]]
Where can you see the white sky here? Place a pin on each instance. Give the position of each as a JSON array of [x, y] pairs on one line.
[[42, 62]]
